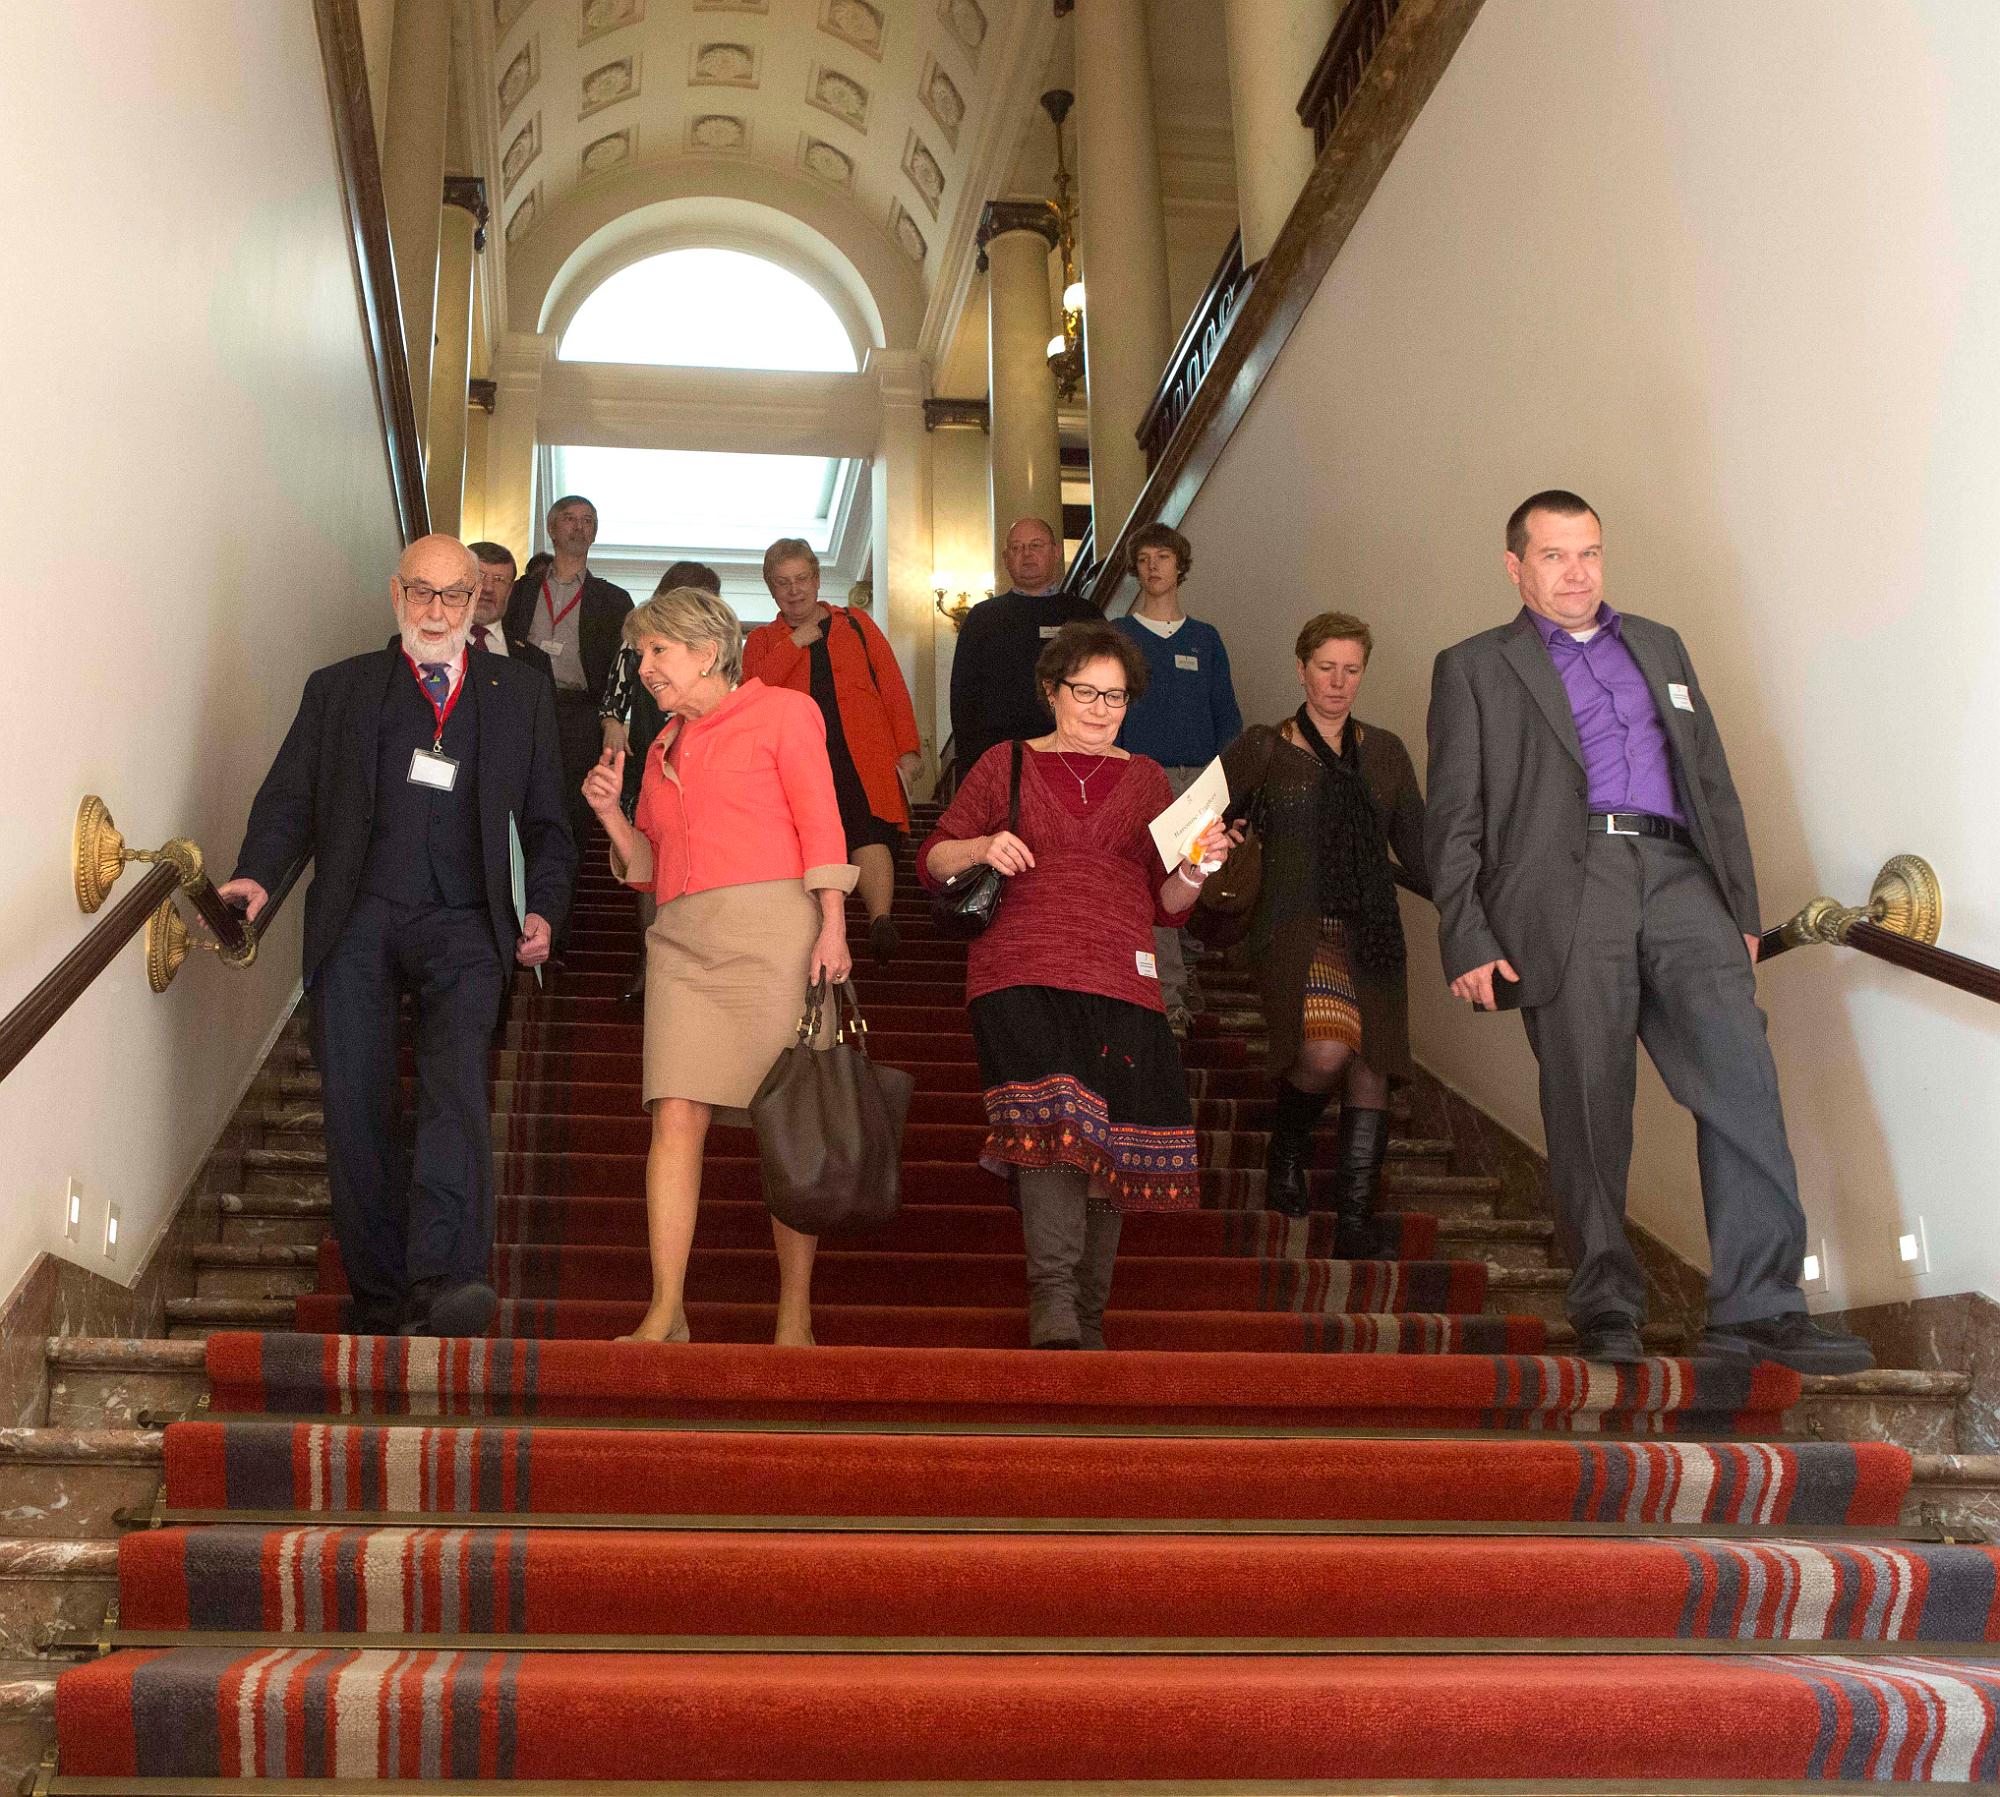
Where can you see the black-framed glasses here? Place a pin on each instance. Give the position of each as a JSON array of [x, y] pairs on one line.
[[1114, 696], [453, 599]]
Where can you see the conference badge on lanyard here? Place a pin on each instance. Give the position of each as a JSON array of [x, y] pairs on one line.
[[432, 767]]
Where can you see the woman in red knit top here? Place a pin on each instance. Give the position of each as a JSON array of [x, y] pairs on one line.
[[1085, 1097]]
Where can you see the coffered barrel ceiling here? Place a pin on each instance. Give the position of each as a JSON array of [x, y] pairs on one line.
[[880, 102]]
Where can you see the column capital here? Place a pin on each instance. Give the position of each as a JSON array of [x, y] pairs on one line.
[[468, 194], [998, 217], [903, 374]]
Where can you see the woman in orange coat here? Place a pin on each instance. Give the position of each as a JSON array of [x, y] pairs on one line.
[[844, 662]]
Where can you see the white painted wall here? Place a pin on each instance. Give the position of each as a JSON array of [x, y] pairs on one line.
[[1732, 272], [197, 514]]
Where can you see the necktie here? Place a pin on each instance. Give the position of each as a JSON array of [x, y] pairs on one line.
[[436, 676], [479, 635]]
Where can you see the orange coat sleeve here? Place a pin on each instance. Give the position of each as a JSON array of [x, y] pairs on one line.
[[770, 655]]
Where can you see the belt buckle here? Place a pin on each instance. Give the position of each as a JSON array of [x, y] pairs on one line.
[[1611, 825]]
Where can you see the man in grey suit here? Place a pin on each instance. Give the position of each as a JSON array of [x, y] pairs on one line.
[[1590, 865]]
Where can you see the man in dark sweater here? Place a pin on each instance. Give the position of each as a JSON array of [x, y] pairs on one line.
[[993, 696]]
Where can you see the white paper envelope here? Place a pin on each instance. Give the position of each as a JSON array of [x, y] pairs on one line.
[[1175, 829]]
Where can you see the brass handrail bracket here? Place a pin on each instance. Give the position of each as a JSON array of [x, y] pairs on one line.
[[1906, 900], [99, 854]]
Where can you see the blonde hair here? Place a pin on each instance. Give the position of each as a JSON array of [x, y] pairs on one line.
[[693, 619]]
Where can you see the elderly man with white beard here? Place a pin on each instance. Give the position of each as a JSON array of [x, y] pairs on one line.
[[405, 775]]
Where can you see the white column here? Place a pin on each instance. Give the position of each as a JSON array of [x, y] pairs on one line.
[[451, 367], [1127, 325], [1017, 236], [413, 176], [902, 525], [518, 364], [1274, 46]]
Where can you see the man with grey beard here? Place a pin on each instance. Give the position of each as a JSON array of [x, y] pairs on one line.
[[405, 775]]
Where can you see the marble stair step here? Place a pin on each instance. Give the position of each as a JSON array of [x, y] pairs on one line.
[[62, 1483], [50, 1586], [110, 1382], [1502, 1241]]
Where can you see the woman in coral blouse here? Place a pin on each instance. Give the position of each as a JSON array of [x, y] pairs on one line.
[[839, 657], [1086, 1103], [738, 836]]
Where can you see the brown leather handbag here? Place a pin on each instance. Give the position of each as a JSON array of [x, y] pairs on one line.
[[829, 1124]]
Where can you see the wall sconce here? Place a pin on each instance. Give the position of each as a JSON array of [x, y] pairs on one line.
[[1065, 351], [960, 608]]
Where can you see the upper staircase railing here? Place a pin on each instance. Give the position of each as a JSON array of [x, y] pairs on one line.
[[1336, 77], [100, 856], [353, 119], [1195, 353], [1083, 565]]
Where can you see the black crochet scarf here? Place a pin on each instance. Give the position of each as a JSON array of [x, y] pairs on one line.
[[1355, 885]]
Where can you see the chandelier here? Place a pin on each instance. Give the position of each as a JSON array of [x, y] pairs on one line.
[[1066, 346]]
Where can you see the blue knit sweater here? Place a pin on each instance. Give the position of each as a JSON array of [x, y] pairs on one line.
[[1189, 714]]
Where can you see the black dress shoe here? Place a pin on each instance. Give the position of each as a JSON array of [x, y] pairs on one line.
[[374, 1316], [1610, 1338], [1793, 1340], [450, 1307], [884, 939]]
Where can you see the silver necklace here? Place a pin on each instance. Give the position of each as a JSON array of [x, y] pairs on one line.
[[1082, 780]]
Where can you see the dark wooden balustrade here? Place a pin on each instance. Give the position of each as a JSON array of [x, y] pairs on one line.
[[1336, 77], [1195, 353]]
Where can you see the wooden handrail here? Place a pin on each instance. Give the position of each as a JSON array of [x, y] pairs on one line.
[[353, 120], [35, 1015], [100, 857], [1194, 354]]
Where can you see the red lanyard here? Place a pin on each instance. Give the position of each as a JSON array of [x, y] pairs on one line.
[[451, 699], [549, 599]]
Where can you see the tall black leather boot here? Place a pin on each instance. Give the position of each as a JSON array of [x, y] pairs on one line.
[[1359, 1150], [1289, 1158]]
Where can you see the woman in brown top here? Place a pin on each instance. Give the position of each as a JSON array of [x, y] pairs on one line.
[[1333, 797]]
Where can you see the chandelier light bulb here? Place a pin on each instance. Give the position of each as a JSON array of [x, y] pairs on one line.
[[1072, 298]]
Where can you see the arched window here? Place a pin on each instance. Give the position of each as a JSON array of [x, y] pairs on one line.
[[709, 309]]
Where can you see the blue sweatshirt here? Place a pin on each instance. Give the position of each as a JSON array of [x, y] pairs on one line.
[[1189, 714]]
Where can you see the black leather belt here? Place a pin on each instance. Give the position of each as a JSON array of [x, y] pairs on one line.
[[1637, 823]]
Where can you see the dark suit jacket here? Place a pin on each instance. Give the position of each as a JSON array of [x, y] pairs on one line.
[[319, 797], [1504, 825], [529, 656], [600, 625]]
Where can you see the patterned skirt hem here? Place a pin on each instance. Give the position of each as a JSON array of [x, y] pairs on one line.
[[1060, 1122]]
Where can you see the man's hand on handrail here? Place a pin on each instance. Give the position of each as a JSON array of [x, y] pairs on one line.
[[253, 897]]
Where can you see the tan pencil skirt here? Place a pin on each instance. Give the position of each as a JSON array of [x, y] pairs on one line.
[[725, 986]]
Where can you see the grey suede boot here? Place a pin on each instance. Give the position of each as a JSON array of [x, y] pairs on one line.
[[1093, 1274], [1053, 1231]]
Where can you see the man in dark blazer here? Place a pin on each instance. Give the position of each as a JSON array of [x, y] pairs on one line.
[[404, 776], [489, 608], [1590, 865], [578, 622]]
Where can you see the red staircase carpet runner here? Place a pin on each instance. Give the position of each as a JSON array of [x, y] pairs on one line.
[[1309, 1520]]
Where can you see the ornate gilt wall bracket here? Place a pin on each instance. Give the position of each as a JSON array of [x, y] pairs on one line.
[[99, 856], [1905, 900]]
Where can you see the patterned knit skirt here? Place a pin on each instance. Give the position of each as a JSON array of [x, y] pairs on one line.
[[1075, 1079], [1332, 1012]]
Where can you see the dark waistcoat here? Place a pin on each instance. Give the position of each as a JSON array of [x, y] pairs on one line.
[[424, 847]]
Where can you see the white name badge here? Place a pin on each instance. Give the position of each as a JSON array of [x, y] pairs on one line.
[[552, 647], [1049, 630], [429, 768], [1682, 698], [1148, 967], [1187, 664]]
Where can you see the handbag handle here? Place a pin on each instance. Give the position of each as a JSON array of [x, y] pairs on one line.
[[847, 1018], [809, 1019]]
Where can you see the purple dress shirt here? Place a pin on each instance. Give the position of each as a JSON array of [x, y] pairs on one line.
[[1627, 762]]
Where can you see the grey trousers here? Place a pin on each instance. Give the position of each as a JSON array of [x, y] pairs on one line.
[[1658, 959]]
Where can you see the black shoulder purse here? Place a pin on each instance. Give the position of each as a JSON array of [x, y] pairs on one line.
[[970, 898]]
